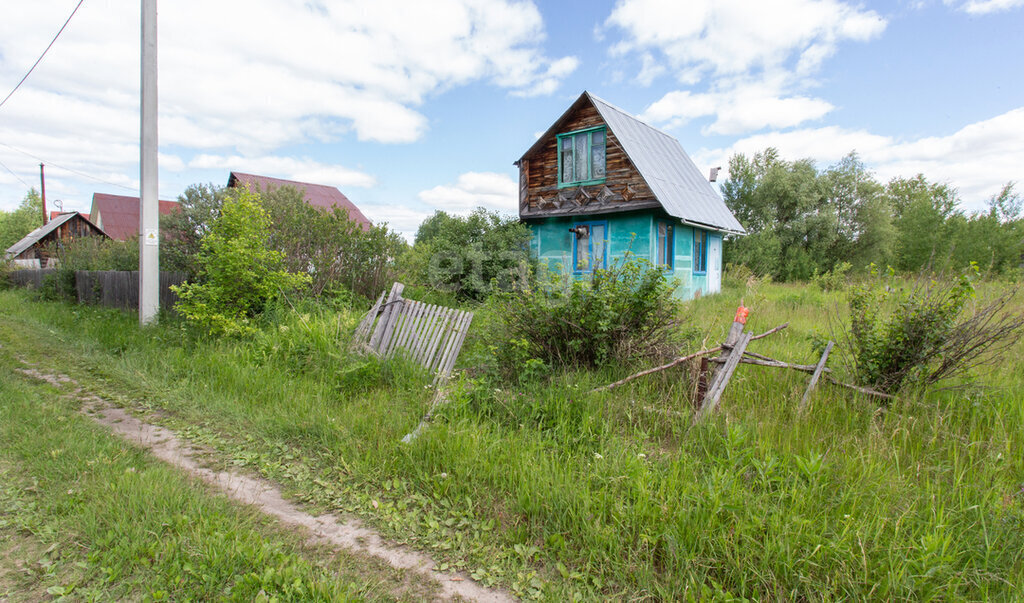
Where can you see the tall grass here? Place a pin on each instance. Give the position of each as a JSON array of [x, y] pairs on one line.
[[558, 493]]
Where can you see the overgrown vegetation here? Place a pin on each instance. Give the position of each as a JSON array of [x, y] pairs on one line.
[[86, 253], [620, 313], [923, 333], [337, 253], [471, 256], [556, 493], [84, 517], [239, 275]]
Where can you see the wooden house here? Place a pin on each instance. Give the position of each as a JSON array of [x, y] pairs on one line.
[[600, 183], [33, 249]]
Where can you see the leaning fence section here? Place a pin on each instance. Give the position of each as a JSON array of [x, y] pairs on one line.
[[431, 335]]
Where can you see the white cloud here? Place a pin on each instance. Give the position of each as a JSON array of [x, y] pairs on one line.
[[984, 7], [730, 37], [756, 58], [249, 78], [402, 219], [738, 110], [977, 159], [474, 189], [650, 70], [289, 168]]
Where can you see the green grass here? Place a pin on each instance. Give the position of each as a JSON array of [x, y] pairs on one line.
[[86, 517], [556, 493]]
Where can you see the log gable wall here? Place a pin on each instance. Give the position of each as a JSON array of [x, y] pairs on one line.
[[624, 188]]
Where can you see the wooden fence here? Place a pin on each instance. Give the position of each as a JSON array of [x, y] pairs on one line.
[[31, 278], [112, 288], [431, 335], [120, 289]]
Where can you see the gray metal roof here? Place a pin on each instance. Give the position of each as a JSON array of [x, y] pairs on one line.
[[36, 235], [673, 177]]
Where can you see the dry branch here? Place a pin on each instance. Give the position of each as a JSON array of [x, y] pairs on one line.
[[679, 361]]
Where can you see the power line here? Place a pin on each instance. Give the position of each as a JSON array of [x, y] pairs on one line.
[[15, 175], [67, 169], [44, 53]]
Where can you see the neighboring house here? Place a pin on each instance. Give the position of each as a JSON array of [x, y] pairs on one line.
[[33, 249], [118, 215], [600, 183], [317, 195]]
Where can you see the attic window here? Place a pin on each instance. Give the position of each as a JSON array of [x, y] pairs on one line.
[[581, 157]]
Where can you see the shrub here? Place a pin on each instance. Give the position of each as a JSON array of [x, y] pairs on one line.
[[239, 274], [332, 249], [923, 334], [468, 256], [622, 312], [86, 253], [834, 279]]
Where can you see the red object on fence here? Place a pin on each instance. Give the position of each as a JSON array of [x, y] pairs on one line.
[[741, 315]]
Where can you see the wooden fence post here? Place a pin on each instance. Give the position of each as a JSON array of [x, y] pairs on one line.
[[814, 378]]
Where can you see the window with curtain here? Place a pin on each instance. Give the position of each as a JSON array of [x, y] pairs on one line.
[[581, 157], [590, 249]]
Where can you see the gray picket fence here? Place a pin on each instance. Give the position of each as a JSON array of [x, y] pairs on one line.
[[120, 288], [31, 278], [431, 335], [111, 288]]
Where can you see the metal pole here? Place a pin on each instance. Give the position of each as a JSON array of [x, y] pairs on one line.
[[149, 214], [42, 186]]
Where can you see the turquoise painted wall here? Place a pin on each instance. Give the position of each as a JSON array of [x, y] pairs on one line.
[[635, 231]]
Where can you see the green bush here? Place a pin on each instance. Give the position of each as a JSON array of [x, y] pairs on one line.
[[239, 275], [622, 312], [897, 332], [86, 253], [469, 256], [336, 252], [835, 279]]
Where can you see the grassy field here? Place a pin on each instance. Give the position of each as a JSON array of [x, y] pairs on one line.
[[558, 494], [85, 517]]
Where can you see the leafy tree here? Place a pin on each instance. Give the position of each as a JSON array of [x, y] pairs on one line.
[[465, 255], [14, 225], [922, 212], [782, 206], [332, 249], [239, 274], [183, 230]]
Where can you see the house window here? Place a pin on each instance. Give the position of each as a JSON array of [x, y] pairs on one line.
[[666, 246], [590, 246], [700, 251], [581, 157]]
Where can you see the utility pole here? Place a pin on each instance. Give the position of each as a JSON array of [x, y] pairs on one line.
[[42, 187], [149, 214]]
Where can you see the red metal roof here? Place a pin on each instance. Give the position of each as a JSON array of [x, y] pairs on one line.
[[118, 215], [317, 195]]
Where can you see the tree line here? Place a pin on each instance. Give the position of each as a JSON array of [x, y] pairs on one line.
[[802, 221]]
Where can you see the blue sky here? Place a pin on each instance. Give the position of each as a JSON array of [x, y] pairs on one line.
[[409, 107]]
